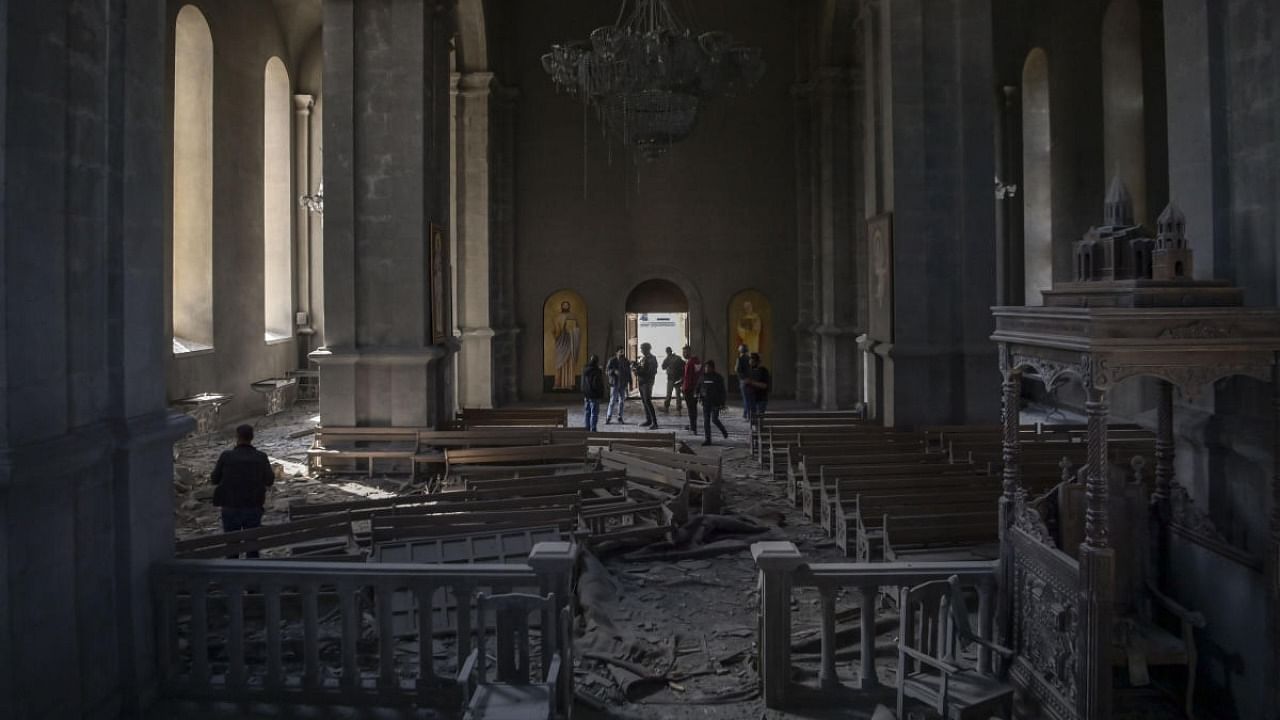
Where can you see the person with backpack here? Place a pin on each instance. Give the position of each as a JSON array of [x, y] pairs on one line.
[[673, 366], [619, 373], [689, 385], [646, 372], [711, 390], [592, 392]]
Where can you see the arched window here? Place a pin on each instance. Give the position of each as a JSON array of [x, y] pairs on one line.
[[1123, 111], [277, 209], [1037, 178], [192, 183]]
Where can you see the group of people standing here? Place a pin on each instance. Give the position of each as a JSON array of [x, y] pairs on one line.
[[693, 382]]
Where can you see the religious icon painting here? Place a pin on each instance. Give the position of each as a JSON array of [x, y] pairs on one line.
[[564, 341], [750, 324], [880, 278], [438, 269]]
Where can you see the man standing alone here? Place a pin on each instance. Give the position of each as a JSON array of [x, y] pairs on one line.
[[241, 478], [758, 382], [743, 371], [646, 373]]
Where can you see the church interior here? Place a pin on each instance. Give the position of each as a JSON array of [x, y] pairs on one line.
[[938, 343]]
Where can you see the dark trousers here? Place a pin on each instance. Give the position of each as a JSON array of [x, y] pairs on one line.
[[673, 386], [234, 519], [646, 400], [692, 401], [711, 416]]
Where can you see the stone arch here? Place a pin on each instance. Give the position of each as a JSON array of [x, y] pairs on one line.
[[1037, 177], [700, 327], [657, 295], [193, 119], [1123, 104]]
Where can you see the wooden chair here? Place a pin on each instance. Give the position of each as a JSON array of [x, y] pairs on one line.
[[929, 648], [514, 694]]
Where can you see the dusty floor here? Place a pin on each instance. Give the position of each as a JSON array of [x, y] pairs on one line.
[[691, 623]]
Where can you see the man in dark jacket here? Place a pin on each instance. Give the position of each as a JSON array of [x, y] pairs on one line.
[[673, 366], [712, 391], [758, 383], [689, 385], [743, 370], [592, 392], [646, 373], [618, 372], [242, 476]]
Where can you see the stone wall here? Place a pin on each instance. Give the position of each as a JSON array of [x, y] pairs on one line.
[[716, 217], [245, 36]]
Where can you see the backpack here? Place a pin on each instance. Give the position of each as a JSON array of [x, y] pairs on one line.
[[593, 384]]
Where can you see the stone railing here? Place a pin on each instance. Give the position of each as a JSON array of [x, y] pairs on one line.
[[783, 569], [335, 633]]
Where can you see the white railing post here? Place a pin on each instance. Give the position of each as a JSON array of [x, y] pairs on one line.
[[777, 562]]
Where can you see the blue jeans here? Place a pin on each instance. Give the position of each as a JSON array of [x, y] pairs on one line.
[[747, 400], [234, 519], [591, 412], [617, 399]]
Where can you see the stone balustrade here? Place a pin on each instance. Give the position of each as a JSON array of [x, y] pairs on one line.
[[324, 632], [784, 569]]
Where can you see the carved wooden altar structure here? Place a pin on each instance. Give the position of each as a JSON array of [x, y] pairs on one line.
[[1188, 334]]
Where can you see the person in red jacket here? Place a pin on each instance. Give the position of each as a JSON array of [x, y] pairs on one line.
[[689, 385]]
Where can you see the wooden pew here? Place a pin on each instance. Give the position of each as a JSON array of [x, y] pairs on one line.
[[299, 535], [509, 456], [396, 527], [336, 449], [514, 417], [670, 474]]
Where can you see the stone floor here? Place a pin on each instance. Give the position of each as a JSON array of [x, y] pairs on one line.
[[692, 621]]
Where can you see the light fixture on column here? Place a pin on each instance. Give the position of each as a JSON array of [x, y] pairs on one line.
[[314, 203], [647, 75]]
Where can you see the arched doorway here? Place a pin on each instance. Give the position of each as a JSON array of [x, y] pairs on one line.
[[657, 313]]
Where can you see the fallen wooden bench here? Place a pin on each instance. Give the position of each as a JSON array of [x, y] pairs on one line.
[[395, 526], [673, 471]]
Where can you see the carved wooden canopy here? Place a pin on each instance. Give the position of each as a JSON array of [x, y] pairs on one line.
[[1189, 347]]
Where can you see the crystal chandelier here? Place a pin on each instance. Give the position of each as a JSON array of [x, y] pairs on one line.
[[646, 75]]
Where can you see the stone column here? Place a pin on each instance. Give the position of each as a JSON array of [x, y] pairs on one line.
[[1273, 562], [807, 283], [836, 235], [502, 205], [1097, 566], [302, 105], [86, 439], [475, 277], [939, 169], [777, 562], [386, 71]]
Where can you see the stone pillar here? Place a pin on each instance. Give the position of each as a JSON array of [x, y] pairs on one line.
[[941, 160], [475, 276], [1273, 549], [502, 206], [777, 562], [836, 236], [302, 105], [386, 71], [86, 439], [1097, 566], [807, 283]]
